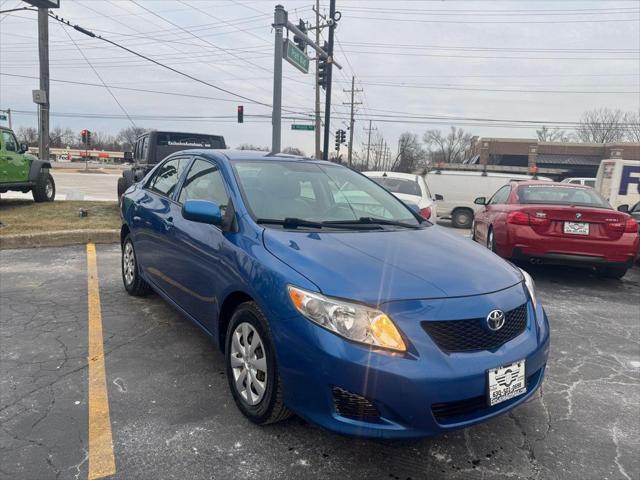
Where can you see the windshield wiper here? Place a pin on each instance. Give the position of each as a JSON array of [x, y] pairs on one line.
[[294, 222], [372, 221]]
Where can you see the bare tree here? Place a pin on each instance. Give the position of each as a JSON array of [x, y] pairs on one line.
[[410, 153], [449, 148], [546, 134], [128, 136], [633, 127], [293, 151], [28, 135], [602, 126], [248, 146]]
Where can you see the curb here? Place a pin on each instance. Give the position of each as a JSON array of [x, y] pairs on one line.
[[58, 239]]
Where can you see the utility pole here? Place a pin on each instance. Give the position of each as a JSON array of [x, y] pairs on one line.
[[353, 91], [43, 49], [327, 99], [369, 130], [318, 122]]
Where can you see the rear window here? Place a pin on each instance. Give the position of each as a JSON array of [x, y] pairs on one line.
[[399, 185], [560, 195]]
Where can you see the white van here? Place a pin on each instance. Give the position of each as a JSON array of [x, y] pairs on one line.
[[619, 181], [460, 188]]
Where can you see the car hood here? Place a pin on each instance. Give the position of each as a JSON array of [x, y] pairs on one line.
[[381, 266]]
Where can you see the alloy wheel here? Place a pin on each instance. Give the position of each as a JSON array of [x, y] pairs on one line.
[[48, 189], [248, 364]]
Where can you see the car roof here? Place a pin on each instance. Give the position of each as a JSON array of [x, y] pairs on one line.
[[248, 155], [547, 184], [410, 176], [478, 173]]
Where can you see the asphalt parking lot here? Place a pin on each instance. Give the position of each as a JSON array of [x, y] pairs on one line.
[[172, 415]]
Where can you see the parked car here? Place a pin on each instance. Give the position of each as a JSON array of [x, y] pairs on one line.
[[586, 181], [543, 222], [153, 146], [618, 181], [22, 172], [458, 189], [378, 326], [411, 189]]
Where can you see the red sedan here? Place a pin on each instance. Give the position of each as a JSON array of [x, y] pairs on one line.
[[560, 223]]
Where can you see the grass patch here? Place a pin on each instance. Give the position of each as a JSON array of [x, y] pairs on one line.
[[26, 216]]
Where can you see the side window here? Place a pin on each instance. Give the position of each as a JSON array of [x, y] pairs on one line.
[[166, 178], [590, 183], [145, 147], [204, 182], [10, 143], [136, 150], [501, 195]]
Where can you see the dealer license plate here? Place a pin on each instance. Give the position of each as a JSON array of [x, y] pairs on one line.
[[506, 382], [576, 228]]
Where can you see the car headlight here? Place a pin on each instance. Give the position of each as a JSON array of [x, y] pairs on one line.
[[350, 320], [530, 284]]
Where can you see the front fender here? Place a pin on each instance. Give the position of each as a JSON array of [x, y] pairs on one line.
[[37, 166]]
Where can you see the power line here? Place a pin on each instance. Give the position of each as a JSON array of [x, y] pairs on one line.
[[510, 22]]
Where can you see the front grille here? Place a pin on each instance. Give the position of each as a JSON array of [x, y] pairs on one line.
[[352, 405], [466, 335], [450, 412]]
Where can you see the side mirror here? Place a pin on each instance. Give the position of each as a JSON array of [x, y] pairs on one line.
[[438, 197], [623, 208], [24, 148], [202, 211], [480, 201]]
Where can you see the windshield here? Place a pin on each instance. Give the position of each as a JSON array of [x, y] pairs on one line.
[[560, 195], [399, 185], [314, 192]]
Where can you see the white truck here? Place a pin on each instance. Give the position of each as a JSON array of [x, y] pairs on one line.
[[618, 181], [459, 188]]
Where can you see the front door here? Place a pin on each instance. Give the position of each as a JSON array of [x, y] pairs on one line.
[[207, 257], [14, 167]]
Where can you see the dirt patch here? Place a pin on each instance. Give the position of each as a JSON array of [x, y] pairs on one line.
[[26, 216]]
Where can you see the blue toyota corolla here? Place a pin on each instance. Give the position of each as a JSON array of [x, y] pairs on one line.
[[332, 299]]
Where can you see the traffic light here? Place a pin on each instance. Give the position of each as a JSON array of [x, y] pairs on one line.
[[88, 137], [323, 69], [240, 113], [338, 136], [83, 135], [299, 41], [343, 136]]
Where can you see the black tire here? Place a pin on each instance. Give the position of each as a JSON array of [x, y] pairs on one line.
[[271, 407], [611, 272], [45, 188], [491, 240], [473, 232], [121, 186], [462, 218], [134, 284]]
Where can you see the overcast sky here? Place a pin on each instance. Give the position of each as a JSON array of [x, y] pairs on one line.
[[502, 60]]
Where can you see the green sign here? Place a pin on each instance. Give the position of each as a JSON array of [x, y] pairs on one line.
[[3, 117], [295, 56], [303, 127]]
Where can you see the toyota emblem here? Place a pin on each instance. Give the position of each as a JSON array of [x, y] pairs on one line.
[[495, 320]]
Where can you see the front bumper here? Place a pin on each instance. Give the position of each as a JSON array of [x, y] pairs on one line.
[[409, 391]]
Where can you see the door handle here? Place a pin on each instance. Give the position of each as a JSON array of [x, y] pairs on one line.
[[168, 223]]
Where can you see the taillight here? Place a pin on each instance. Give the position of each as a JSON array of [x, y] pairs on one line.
[[518, 218], [631, 226], [425, 213], [622, 226]]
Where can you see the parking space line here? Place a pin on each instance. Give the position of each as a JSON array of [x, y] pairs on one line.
[[101, 460]]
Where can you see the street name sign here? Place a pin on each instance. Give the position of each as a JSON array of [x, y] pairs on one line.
[[295, 56], [303, 127]]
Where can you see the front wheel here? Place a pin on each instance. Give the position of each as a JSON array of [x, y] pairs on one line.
[[611, 272], [491, 241], [45, 188], [252, 367]]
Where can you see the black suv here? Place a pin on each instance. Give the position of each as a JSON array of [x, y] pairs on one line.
[[153, 146]]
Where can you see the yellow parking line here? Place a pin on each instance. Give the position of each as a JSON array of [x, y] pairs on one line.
[[101, 461]]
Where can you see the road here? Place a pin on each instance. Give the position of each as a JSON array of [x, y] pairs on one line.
[[80, 186], [172, 416]]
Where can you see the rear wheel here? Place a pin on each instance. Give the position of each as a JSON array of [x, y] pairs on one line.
[[133, 282], [611, 272], [45, 188], [462, 218], [252, 368]]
